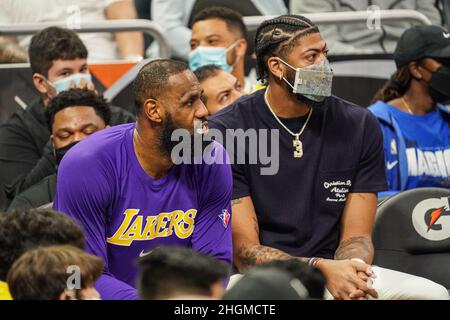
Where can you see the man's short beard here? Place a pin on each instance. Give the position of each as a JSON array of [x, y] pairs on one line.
[[316, 105], [166, 144]]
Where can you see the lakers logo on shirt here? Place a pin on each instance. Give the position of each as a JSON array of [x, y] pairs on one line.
[[178, 222]]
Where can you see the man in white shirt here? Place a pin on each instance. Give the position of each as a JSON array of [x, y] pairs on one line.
[[173, 16]]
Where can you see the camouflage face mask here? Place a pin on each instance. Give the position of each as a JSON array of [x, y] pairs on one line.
[[314, 82]]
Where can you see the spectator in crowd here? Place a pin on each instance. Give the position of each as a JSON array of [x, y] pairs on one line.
[[122, 184], [23, 230], [170, 272], [322, 200], [374, 36], [58, 62], [73, 115], [267, 284], [175, 16], [54, 273], [11, 52], [102, 46], [219, 36], [220, 88], [411, 111]]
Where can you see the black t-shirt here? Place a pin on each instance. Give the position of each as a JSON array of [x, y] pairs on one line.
[[299, 208]]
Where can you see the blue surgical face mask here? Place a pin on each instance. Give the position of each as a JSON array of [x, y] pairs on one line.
[[203, 56], [64, 84]]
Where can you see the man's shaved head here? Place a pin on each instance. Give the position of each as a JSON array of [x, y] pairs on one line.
[[152, 80]]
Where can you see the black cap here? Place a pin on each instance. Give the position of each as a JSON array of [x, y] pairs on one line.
[[267, 284], [421, 42]]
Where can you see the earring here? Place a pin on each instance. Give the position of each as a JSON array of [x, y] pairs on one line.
[[281, 77]]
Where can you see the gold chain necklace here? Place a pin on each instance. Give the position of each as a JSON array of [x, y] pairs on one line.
[[298, 145], [406, 105]]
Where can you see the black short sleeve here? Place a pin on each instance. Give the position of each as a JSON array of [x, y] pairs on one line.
[[371, 175], [241, 186], [240, 183]]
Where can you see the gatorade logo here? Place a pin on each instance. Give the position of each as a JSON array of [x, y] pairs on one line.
[[431, 219]]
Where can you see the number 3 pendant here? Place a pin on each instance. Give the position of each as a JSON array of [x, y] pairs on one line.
[[298, 148]]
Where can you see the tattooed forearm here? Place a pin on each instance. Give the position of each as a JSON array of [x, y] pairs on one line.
[[255, 224], [356, 247], [252, 255], [247, 250]]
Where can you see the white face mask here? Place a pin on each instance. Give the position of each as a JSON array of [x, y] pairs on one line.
[[314, 81]]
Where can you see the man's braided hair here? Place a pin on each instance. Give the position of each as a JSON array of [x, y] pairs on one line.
[[276, 37]]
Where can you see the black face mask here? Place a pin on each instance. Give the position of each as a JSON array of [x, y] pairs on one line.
[[439, 85], [60, 152]]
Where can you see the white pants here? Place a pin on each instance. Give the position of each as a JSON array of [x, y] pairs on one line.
[[395, 285]]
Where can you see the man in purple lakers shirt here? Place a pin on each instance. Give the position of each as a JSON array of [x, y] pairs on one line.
[[123, 187]]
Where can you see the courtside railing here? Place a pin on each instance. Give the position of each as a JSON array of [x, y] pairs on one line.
[[323, 18]]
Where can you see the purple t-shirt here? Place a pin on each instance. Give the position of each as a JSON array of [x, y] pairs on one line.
[[125, 213]]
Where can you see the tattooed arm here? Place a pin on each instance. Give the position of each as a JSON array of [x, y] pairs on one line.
[[341, 276], [248, 251], [355, 242], [347, 279], [355, 247], [356, 227]]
